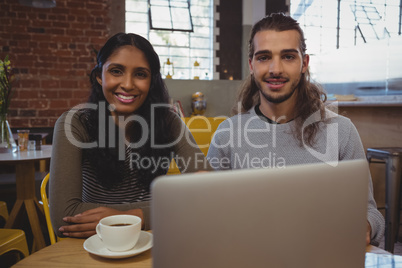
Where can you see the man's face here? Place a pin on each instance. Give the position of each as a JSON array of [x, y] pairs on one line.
[[277, 65]]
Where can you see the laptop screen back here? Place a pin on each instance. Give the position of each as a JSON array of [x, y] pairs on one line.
[[301, 216]]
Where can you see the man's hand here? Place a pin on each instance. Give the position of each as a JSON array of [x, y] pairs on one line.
[[84, 224], [368, 234]]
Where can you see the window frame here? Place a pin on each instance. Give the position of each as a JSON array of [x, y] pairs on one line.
[[173, 28]]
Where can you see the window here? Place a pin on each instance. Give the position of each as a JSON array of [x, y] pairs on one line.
[[353, 43], [173, 15], [180, 46]]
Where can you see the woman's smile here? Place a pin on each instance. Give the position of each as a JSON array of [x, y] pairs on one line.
[[126, 98]]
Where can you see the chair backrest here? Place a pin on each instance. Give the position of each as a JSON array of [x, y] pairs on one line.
[[202, 128], [45, 202]]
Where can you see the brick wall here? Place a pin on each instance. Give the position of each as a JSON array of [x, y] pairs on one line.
[[51, 51]]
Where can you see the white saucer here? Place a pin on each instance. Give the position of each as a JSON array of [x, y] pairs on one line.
[[95, 246]]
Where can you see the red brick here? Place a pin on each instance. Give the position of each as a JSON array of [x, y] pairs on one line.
[[68, 60], [62, 53], [68, 84], [20, 37], [32, 16], [61, 11], [74, 102], [27, 94], [16, 103], [71, 17], [62, 17], [50, 84], [12, 112], [42, 71], [45, 55], [57, 72], [75, 32], [62, 65], [81, 94], [56, 54], [61, 24], [48, 94], [95, 6], [97, 26], [81, 12], [20, 22], [39, 104], [57, 31], [19, 123], [41, 38], [29, 83], [71, 4], [41, 64], [65, 94], [97, 13], [76, 72], [57, 104], [27, 113], [39, 23], [5, 7], [42, 16], [85, 85], [62, 39], [38, 122], [50, 113]]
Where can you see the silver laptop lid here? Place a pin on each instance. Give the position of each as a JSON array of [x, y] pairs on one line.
[[301, 216]]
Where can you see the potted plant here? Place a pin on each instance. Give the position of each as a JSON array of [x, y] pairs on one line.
[[7, 78]]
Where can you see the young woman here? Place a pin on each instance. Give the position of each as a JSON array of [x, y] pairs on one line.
[[106, 154]]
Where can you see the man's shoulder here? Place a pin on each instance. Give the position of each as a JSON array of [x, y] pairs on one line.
[[334, 117], [344, 124]]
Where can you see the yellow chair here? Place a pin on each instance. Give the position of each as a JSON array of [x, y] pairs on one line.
[[13, 240], [202, 128], [45, 201]]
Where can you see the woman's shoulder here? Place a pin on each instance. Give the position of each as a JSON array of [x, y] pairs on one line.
[[70, 116], [75, 118], [174, 120]]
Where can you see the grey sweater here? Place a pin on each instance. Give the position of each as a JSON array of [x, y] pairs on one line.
[[247, 141], [73, 185]]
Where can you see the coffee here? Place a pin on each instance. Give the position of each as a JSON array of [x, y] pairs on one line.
[[116, 238]]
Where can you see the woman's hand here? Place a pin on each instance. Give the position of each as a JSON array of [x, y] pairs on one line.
[[84, 224]]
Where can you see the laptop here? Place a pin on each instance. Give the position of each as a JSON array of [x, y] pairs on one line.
[[311, 215]]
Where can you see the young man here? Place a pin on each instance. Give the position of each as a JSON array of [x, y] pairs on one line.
[[281, 118]]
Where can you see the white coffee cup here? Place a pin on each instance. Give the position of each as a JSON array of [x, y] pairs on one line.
[[119, 232]]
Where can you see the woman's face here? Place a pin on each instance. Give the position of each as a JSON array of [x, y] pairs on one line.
[[125, 80]]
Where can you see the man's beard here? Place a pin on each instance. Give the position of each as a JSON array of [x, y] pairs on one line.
[[278, 99]]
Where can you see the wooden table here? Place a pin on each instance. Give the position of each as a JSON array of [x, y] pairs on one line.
[[70, 253], [25, 185]]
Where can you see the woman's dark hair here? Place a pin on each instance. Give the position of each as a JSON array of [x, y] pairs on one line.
[[105, 160]]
